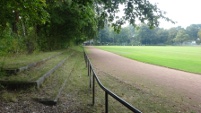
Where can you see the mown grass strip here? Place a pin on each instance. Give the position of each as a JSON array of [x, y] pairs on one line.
[[186, 58]]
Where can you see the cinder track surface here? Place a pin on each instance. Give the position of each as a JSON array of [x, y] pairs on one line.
[[182, 88]]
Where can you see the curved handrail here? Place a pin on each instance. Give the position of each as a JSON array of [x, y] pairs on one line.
[[107, 91]]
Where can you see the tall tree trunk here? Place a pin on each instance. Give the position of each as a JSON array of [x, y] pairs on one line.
[[38, 28], [14, 24], [24, 28]]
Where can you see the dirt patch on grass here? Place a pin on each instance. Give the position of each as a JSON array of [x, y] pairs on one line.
[[182, 88]]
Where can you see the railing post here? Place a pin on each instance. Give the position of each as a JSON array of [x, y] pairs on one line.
[[90, 76], [106, 102], [93, 100], [85, 58], [88, 65]]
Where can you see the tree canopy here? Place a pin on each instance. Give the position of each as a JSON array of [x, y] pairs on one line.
[[55, 24]]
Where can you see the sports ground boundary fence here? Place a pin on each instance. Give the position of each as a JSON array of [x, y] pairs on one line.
[[93, 77]]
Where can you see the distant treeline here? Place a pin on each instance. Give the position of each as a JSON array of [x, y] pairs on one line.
[[146, 36]]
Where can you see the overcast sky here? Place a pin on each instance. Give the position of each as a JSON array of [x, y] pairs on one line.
[[185, 12]]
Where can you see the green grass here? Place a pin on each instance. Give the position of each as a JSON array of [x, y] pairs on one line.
[[186, 58], [60, 75], [8, 96], [36, 72], [75, 97], [17, 61], [76, 93]]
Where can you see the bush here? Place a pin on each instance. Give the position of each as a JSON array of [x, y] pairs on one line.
[[10, 43]]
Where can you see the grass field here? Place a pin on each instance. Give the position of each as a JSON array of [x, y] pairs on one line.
[[186, 58]]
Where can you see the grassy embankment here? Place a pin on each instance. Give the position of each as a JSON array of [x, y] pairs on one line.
[[178, 57], [75, 97], [35, 72]]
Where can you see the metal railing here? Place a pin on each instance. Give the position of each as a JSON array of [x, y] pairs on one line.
[[107, 91]]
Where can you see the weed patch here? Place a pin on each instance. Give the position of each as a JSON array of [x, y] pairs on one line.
[[8, 96]]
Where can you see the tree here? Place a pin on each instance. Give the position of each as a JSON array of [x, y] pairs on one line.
[[192, 31], [147, 36], [109, 36], [199, 37], [181, 36], [123, 37], [104, 36], [134, 10], [32, 12], [199, 34], [162, 35], [172, 33], [55, 24]]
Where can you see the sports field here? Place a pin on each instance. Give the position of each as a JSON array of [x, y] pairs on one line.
[[186, 58]]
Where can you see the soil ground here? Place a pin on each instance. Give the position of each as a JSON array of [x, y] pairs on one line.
[[180, 87]]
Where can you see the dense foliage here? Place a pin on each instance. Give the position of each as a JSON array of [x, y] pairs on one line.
[[145, 36], [30, 25]]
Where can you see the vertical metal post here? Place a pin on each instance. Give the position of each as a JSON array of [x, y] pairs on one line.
[[90, 76], [86, 61], [106, 102], [93, 100], [85, 58], [88, 65]]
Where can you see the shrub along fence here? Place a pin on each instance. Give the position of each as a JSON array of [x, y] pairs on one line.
[[93, 77]]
